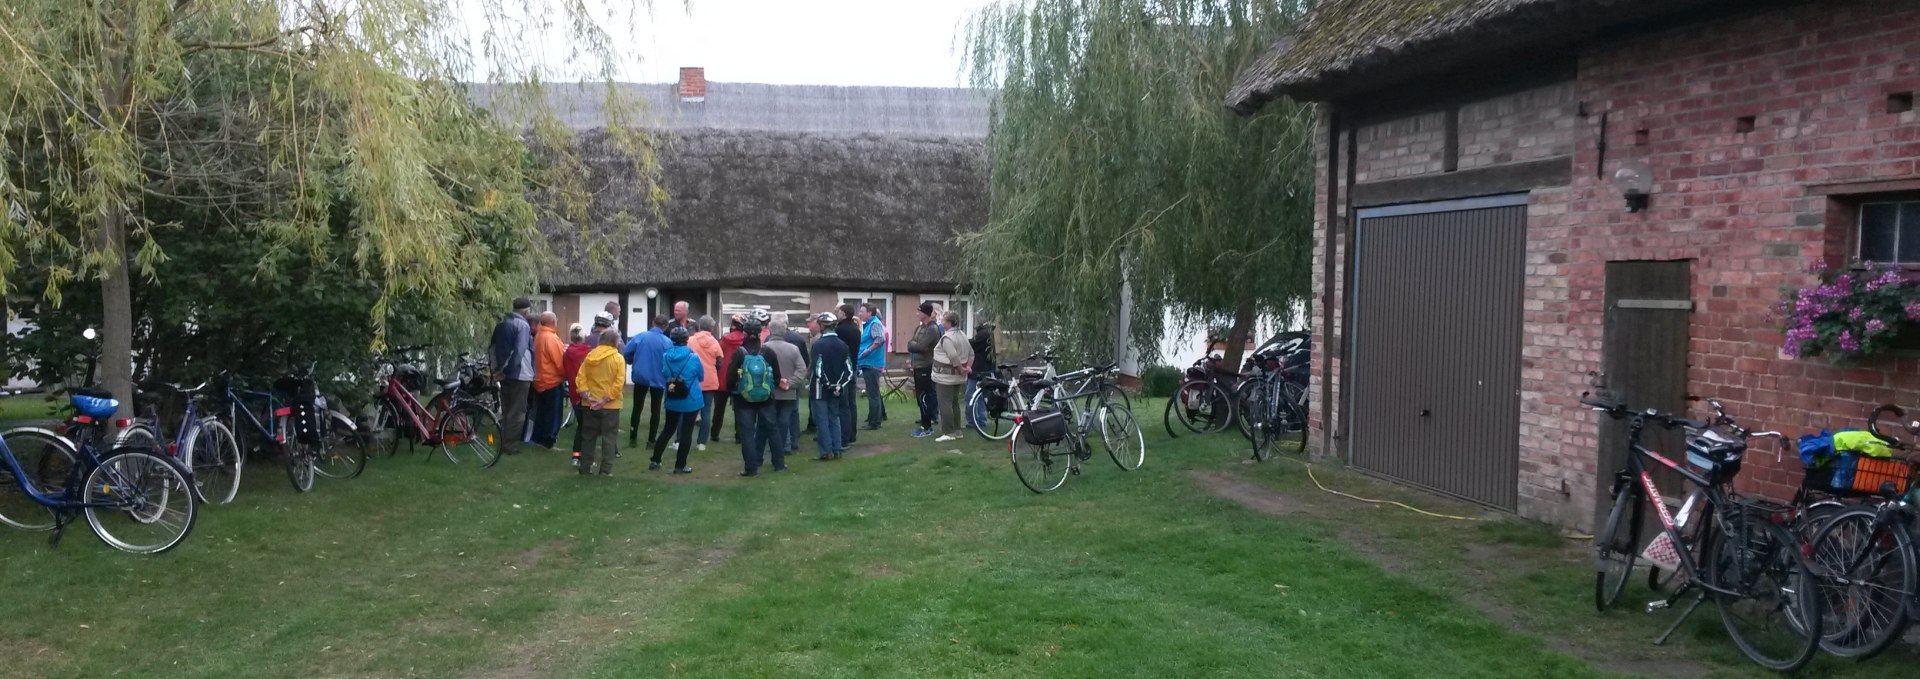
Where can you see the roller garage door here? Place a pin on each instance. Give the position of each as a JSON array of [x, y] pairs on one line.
[[1434, 345]]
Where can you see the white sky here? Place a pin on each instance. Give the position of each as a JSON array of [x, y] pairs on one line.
[[795, 42]]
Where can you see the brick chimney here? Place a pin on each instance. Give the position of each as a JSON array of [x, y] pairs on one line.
[[693, 84]]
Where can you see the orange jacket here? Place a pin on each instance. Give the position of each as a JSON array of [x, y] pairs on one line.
[[549, 354], [708, 349]]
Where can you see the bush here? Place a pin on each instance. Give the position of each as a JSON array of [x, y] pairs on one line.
[[1850, 314], [1159, 381]]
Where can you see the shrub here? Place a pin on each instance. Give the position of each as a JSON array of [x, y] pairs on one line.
[[1159, 381]]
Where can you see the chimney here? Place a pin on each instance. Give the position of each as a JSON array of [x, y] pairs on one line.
[[693, 84]]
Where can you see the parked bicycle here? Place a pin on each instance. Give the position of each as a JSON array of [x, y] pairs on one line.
[[1204, 401], [293, 420], [1736, 551], [202, 444], [1049, 441], [457, 423], [1001, 397], [1865, 553]]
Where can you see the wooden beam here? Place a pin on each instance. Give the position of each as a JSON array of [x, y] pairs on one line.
[[1487, 181]]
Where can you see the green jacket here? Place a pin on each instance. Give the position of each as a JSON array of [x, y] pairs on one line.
[[920, 348]]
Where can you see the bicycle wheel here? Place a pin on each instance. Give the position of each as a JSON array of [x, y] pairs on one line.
[[1242, 395], [1867, 584], [139, 502], [47, 459], [1111, 393], [343, 455], [470, 434], [1259, 417], [1615, 547], [1202, 407], [1290, 419], [215, 457], [1774, 612], [385, 433], [1122, 437], [1040, 468], [994, 424], [138, 435]]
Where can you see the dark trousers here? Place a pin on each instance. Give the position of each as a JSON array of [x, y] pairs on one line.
[[786, 421], [929, 400], [643, 395], [679, 429], [580, 425], [758, 434], [546, 416], [719, 400], [828, 415], [513, 412], [876, 400], [848, 422]]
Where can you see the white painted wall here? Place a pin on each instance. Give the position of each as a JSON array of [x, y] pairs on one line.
[[590, 303], [1180, 347]]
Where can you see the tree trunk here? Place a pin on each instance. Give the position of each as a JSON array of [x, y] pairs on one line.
[[116, 315], [1243, 320]]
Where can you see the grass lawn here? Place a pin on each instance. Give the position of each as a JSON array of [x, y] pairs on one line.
[[907, 559]]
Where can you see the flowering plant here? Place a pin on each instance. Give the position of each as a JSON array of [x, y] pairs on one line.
[[1850, 314]]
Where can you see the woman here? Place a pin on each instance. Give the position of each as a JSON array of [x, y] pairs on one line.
[[603, 383], [683, 371], [952, 362]]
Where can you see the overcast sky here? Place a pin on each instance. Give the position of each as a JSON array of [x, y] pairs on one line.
[[798, 42]]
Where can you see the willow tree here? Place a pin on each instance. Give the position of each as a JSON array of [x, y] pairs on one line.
[[324, 129], [1113, 157]]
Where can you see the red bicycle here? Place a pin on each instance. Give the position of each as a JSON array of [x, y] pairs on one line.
[[457, 422]]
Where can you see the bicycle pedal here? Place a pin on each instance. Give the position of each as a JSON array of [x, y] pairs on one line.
[[1655, 606]]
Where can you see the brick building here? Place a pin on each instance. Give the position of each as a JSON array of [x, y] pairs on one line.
[[1475, 258]]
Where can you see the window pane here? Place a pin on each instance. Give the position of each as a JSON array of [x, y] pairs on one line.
[[1878, 234], [1910, 232]]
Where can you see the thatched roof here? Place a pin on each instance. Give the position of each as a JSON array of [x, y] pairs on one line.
[[762, 208], [891, 111], [1349, 46]]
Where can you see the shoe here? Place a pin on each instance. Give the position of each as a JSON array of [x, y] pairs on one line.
[[701, 447], [576, 458], [837, 455], [945, 438], [683, 470], [922, 433], [823, 458], [779, 469], [653, 466], [606, 472], [745, 474], [871, 427]]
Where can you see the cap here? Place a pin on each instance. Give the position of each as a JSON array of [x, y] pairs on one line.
[[926, 308], [602, 320], [522, 303]]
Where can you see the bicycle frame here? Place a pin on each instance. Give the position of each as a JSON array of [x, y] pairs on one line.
[[236, 408], [398, 398], [1636, 472], [86, 458]]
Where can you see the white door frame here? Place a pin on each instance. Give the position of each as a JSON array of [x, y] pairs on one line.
[[946, 304]]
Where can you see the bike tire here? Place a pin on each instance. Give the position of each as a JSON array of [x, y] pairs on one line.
[[1203, 407], [469, 434], [1292, 413], [1241, 393], [1258, 415], [214, 456], [1762, 565], [132, 489], [1122, 438], [139, 435], [344, 453], [47, 458], [1872, 611], [991, 426], [1042, 469], [1615, 548]]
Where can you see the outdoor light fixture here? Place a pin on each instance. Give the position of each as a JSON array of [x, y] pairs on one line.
[[1635, 181], [653, 292]]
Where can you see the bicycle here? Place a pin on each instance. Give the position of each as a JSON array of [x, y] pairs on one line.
[[999, 400], [1738, 552], [316, 441], [203, 445], [1276, 408], [459, 425], [1204, 401], [1040, 432], [1869, 566]]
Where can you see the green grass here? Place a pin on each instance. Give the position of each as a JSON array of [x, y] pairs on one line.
[[917, 561]]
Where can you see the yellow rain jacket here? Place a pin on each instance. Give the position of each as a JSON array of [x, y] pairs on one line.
[[1861, 442], [603, 376]]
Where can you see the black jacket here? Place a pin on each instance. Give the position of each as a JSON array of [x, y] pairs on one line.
[[983, 358], [730, 380], [849, 332], [832, 365], [799, 341]]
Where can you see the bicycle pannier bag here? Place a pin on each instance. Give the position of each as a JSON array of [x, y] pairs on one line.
[[756, 378], [1044, 427]]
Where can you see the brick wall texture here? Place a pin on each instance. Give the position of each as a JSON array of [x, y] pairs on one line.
[[1815, 79]]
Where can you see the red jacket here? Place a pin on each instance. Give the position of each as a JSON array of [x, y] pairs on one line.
[[731, 342], [570, 367]]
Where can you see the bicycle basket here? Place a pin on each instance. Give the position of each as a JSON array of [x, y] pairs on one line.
[[1044, 427], [1716, 454], [1854, 474]]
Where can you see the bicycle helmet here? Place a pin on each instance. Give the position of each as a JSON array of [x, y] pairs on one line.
[[679, 336], [760, 317]]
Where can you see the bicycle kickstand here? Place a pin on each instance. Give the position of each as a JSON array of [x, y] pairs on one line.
[[1684, 613], [60, 522]]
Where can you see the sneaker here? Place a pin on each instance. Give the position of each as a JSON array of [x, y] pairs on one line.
[[823, 458], [922, 433], [576, 458], [745, 474], [683, 470], [945, 438], [653, 466], [702, 447]]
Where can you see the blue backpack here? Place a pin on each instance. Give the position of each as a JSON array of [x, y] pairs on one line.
[[756, 378]]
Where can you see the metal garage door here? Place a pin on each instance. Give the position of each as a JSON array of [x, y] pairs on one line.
[[1435, 345]]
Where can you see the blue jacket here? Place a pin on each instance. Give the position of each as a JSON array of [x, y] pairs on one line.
[[512, 350], [645, 352], [874, 337], [681, 362]]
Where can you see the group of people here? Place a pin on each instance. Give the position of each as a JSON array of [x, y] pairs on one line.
[[760, 366]]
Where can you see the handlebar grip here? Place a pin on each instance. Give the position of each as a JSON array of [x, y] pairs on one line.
[[1592, 401]]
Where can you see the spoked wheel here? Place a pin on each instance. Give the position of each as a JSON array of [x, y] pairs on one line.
[[1290, 419], [1615, 547], [470, 435], [1774, 616], [1868, 583], [300, 466], [216, 461], [1202, 407], [1260, 419], [1243, 394], [139, 435], [386, 432], [1122, 437], [1040, 468], [993, 424], [343, 454], [47, 459], [139, 502]]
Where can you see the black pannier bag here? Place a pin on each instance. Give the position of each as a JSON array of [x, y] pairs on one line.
[[1044, 427]]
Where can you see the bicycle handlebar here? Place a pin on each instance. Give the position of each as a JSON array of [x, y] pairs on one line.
[[1619, 410]]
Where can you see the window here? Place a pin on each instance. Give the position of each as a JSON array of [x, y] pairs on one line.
[[1890, 232], [882, 301], [960, 303]]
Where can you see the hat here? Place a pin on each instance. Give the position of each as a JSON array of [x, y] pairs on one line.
[[602, 320], [926, 308], [522, 303]]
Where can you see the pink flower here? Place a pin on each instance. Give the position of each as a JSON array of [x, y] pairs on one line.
[[1876, 326]]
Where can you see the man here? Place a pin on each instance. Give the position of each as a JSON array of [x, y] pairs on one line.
[[793, 373], [549, 357], [512, 356], [603, 378], [872, 362], [614, 314], [793, 337], [705, 346], [645, 352], [680, 319], [920, 361], [848, 330], [753, 376], [730, 343], [983, 368], [832, 373], [578, 347]]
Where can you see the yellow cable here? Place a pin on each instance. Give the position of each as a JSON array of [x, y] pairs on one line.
[[1402, 505]]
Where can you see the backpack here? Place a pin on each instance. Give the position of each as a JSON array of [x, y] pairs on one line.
[[756, 378], [677, 385]]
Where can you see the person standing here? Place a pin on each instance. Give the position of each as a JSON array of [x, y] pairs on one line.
[[832, 373], [683, 375], [799, 342], [577, 350], [511, 353], [793, 374], [753, 374], [848, 330], [983, 368], [603, 379], [952, 361], [644, 353], [920, 361], [713, 363], [729, 343], [680, 319], [549, 355], [614, 314], [872, 362]]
